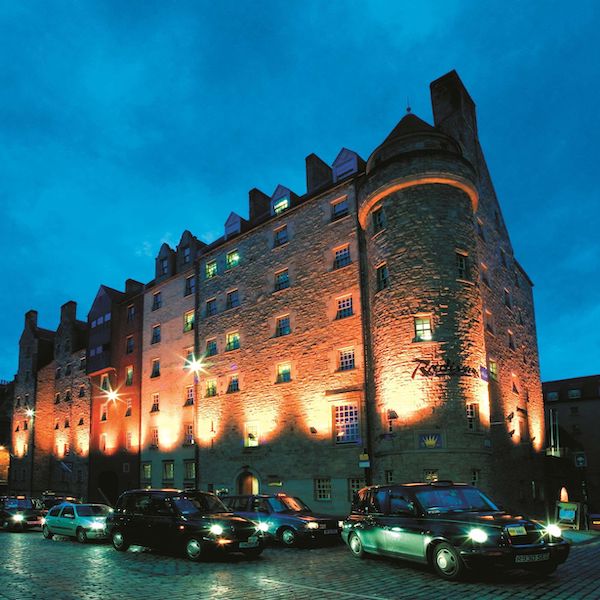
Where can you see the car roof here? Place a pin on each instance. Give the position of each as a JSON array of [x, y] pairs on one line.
[[423, 484]]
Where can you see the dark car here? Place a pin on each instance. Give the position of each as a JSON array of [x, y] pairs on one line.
[[195, 523], [452, 526], [18, 513], [285, 518], [49, 499]]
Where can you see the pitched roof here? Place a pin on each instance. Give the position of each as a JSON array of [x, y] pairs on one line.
[[408, 125]]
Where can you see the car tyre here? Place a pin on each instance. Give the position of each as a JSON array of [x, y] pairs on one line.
[[288, 537], [47, 533], [81, 535], [355, 545], [119, 541], [252, 553], [448, 563], [194, 550]]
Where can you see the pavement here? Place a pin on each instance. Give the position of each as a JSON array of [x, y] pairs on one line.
[[32, 568]]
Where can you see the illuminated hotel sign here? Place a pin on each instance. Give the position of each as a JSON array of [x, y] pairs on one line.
[[442, 368], [430, 441]]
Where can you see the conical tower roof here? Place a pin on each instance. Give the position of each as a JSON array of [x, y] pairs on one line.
[[409, 124]]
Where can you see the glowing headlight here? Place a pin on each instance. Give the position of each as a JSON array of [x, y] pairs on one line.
[[554, 530], [43, 520], [341, 524], [18, 518], [216, 529], [478, 535], [263, 527], [96, 526], [312, 525]]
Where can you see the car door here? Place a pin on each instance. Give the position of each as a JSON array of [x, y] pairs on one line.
[[160, 524], [67, 521], [405, 533], [135, 524], [53, 520], [375, 524]]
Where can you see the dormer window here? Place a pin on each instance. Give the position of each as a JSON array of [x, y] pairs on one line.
[[164, 266], [187, 255], [280, 205]]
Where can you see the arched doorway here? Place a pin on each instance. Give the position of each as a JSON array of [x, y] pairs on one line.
[[247, 483], [564, 495]]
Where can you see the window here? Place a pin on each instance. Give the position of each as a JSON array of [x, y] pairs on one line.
[[280, 236], [511, 340], [168, 470], [280, 205], [480, 229], [423, 331], [68, 396], [127, 407], [342, 257], [104, 383], [211, 269], [187, 255], [493, 370], [488, 321], [189, 358], [574, 394], [383, 278], [188, 434], [354, 484], [431, 475], [475, 477], [211, 388], [515, 387], [103, 442], [155, 368], [473, 417], [251, 435], [389, 476], [282, 280], [146, 471], [130, 313], [232, 259], [462, 271], [503, 258], [323, 489], [154, 439], [189, 395], [346, 359], [164, 266], [211, 347], [234, 384], [129, 375], [282, 326], [551, 396], [485, 275], [57, 373], [189, 470], [378, 220], [344, 307], [156, 300], [82, 363], [68, 369], [81, 391], [345, 419], [188, 321], [155, 403], [284, 373], [190, 285], [103, 413], [129, 344], [233, 299], [57, 399], [211, 307], [506, 297], [339, 209], [232, 341], [155, 334], [128, 440]]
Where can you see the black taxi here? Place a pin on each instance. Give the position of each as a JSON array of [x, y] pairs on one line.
[[453, 527], [194, 523]]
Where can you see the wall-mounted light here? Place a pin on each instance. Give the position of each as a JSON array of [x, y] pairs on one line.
[[392, 414], [313, 430], [510, 416], [511, 432]]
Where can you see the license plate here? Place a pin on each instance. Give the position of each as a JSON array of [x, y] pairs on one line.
[[331, 531], [523, 558], [251, 543], [34, 522], [518, 530]]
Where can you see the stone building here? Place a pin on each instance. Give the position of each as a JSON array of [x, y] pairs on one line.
[[6, 409]]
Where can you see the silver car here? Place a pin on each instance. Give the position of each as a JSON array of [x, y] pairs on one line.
[[82, 521]]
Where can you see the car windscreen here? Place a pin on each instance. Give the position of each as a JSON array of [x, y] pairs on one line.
[[200, 504], [441, 500], [287, 504], [18, 503], [94, 510]]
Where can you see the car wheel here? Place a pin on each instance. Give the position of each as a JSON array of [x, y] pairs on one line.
[[252, 552], [47, 533], [193, 549], [81, 535], [119, 541], [288, 536], [447, 562], [356, 546], [544, 569]]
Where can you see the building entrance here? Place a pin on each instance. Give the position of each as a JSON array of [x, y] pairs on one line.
[[247, 483]]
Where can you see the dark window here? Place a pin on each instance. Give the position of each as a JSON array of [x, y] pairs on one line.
[[130, 313], [339, 209], [211, 307], [378, 220], [383, 279], [283, 326], [282, 280], [129, 344], [211, 347], [155, 334], [462, 271], [156, 300], [155, 368], [233, 299], [190, 285], [280, 237], [342, 257], [68, 369]]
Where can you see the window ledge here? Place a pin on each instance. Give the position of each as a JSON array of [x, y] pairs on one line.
[[378, 234], [416, 341], [281, 290], [336, 269], [280, 245], [465, 281], [283, 382]]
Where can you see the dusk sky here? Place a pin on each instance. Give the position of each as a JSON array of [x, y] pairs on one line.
[[124, 123]]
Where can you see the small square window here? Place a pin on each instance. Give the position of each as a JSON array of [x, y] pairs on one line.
[[232, 259], [342, 257], [344, 307], [507, 299], [147, 471], [155, 403], [155, 368], [488, 321], [378, 220], [284, 373], [156, 300], [322, 489], [211, 307], [190, 285], [511, 340], [211, 388], [431, 475], [383, 278], [68, 369], [233, 299], [232, 341], [475, 477], [211, 347], [346, 359], [282, 280], [211, 269], [354, 484], [280, 236], [155, 334], [339, 209], [188, 321], [251, 435], [551, 396], [81, 391], [423, 329], [233, 384], [389, 476], [283, 326]]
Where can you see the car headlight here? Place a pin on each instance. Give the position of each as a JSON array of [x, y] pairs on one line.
[[312, 525], [216, 529], [341, 524], [96, 526], [43, 520], [18, 518], [554, 530], [263, 527], [478, 535]]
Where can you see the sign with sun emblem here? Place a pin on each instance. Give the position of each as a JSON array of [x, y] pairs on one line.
[[430, 441]]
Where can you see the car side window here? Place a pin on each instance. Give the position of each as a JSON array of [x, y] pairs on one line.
[[53, 512], [140, 504], [68, 512], [360, 500], [260, 505], [400, 504], [236, 503], [160, 507], [378, 501]]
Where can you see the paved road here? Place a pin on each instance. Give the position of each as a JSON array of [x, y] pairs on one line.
[[34, 568]]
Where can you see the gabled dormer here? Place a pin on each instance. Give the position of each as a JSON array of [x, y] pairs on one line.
[[234, 225], [165, 262], [346, 163], [187, 250], [282, 199]]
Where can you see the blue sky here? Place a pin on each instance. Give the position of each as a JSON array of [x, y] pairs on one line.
[[124, 123]]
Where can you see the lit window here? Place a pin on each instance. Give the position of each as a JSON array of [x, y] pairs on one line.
[[344, 307], [342, 257], [473, 417], [189, 470], [283, 326], [378, 220], [423, 331], [155, 334], [284, 372], [232, 259], [346, 359], [251, 435], [280, 237], [511, 340], [104, 383], [168, 470], [130, 313], [323, 489], [128, 440], [354, 484], [211, 347], [129, 375], [281, 205], [507, 298], [187, 255], [211, 307], [164, 266], [462, 271], [155, 368], [189, 358], [189, 395], [211, 388], [156, 300], [485, 275], [493, 369], [188, 321], [190, 285], [188, 434], [345, 420], [488, 321], [129, 344], [431, 475], [383, 278], [282, 280], [154, 439], [233, 299], [147, 471], [339, 209], [232, 341], [127, 407], [211, 269], [234, 384], [155, 403], [574, 394]]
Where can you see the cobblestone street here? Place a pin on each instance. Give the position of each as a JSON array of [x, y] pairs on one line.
[[32, 567]]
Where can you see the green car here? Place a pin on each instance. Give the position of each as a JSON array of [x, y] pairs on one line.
[[453, 527]]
